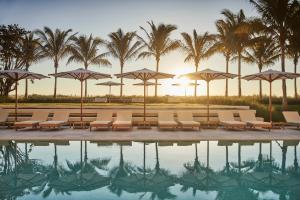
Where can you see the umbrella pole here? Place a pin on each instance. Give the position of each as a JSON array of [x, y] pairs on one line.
[[81, 100], [109, 94], [208, 101], [16, 103], [270, 102], [144, 102]]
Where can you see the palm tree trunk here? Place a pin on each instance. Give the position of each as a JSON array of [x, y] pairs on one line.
[[226, 80], [55, 78], [284, 95], [195, 89], [157, 67], [295, 71], [260, 84], [85, 83], [121, 86], [26, 83], [239, 74]]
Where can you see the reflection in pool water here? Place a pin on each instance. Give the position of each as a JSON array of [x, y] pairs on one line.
[[157, 170]]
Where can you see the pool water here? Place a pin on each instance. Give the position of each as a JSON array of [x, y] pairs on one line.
[[149, 170]]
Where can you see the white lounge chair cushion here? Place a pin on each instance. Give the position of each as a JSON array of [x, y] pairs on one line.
[[232, 123], [49, 123], [122, 122], [100, 122], [189, 123], [28, 123], [258, 123], [166, 123]]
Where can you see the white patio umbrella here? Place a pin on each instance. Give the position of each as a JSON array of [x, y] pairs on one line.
[[109, 84], [144, 75], [189, 84], [270, 76], [81, 75], [15, 75], [148, 83], [208, 75]]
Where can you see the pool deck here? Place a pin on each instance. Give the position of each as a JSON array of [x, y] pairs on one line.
[[148, 135]]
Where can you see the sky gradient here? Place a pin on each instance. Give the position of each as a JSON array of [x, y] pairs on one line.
[[102, 17]]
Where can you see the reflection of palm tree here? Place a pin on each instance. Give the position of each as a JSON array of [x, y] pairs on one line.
[[79, 176]]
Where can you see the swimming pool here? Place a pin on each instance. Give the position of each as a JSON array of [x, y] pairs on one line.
[[142, 170]]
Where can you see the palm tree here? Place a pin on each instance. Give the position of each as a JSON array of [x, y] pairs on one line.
[[85, 50], [278, 15], [239, 37], [264, 53], [222, 44], [124, 47], [158, 43], [197, 47], [32, 53], [55, 46], [294, 47]]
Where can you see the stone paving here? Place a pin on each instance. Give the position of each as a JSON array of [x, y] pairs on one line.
[[147, 135]]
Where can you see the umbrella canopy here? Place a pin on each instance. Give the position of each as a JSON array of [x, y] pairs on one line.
[[148, 83], [144, 75], [81, 75], [208, 75], [109, 84], [15, 75], [270, 76], [189, 84]]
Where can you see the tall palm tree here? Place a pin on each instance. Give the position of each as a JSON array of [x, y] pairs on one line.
[[197, 47], [293, 46], [264, 53], [32, 53], [55, 46], [278, 15], [158, 43], [239, 37], [222, 44], [124, 47], [84, 50]]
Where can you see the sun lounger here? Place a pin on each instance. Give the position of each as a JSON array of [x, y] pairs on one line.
[[248, 116], [292, 118], [36, 119], [227, 120], [185, 120], [3, 117], [123, 121], [103, 120], [166, 120], [59, 119]]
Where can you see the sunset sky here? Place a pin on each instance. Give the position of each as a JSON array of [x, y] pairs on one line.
[[102, 17]]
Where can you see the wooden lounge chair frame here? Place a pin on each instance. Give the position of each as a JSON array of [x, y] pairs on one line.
[[185, 120], [123, 120], [227, 120], [60, 117], [36, 118], [166, 119], [248, 116], [104, 119]]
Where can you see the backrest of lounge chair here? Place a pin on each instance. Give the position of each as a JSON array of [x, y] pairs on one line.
[[61, 116], [247, 115], [39, 116], [124, 116], [3, 115], [225, 115], [291, 116], [166, 116], [104, 116], [185, 116]]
